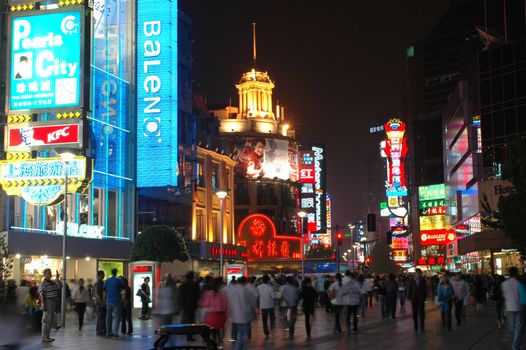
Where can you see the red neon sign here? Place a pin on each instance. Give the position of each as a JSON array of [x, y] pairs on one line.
[[432, 237], [433, 260], [258, 233], [142, 268], [395, 150], [23, 137], [307, 172]]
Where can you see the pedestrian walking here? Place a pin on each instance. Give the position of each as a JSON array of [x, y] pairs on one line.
[[165, 307], [49, 292], [402, 290], [363, 296], [498, 298], [417, 293], [368, 287], [215, 303], [32, 308], [112, 298], [514, 295], [336, 294], [353, 291], [290, 296], [126, 318], [446, 296], [145, 294], [240, 309], [328, 305], [80, 299], [308, 295], [189, 294], [100, 306], [319, 285], [391, 294], [461, 290], [267, 298]]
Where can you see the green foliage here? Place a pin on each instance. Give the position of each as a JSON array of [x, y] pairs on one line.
[[512, 209], [160, 243], [6, 266], [107, 266]]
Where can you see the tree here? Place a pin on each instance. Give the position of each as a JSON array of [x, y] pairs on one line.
[[320, 251], [6, 267], [160, 243], [512, 209]]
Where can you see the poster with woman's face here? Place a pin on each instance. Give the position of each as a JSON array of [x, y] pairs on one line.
[[268, 158]]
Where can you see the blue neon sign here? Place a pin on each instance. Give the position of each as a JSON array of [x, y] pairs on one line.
[[157, 93], [45, 61]]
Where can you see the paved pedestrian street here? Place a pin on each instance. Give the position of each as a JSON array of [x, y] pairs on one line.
[[479, 332]]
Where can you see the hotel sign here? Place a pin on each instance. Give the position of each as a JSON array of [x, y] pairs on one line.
[[42, 181]]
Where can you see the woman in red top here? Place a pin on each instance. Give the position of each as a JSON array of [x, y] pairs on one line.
[[215, 304]]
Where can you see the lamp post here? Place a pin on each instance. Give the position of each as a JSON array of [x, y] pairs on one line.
[[301, 215], [221, 194], [66, 158]]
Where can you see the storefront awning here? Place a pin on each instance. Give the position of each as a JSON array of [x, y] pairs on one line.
[[487, 240]]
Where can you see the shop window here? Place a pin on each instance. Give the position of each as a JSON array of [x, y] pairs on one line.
[[200, 173], [51, 213]]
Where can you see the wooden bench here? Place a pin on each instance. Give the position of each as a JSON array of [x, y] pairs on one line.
[[203, 330]]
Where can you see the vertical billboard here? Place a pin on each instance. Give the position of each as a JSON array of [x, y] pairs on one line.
[[45, 61], [395, 151], [432, 216], [157, 93], [320, 187]]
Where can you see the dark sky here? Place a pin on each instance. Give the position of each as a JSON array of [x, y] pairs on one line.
[[336, 65]]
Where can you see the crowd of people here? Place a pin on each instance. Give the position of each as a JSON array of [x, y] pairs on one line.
[[213, 301]]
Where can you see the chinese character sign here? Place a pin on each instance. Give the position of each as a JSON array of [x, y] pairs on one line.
[[258, 233], [45, 61], [395, 150], [306, 167]]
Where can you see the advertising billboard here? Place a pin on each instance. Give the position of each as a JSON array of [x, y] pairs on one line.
[[395, 151], [432, 192], [26, 137], [432, 237], [41, 181], [432, 216], [320, 187], [157, 93], [258, 233], [306, 167], [259, 157], [45, 61]]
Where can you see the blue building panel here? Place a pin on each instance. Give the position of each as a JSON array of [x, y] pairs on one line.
[[157, 93]]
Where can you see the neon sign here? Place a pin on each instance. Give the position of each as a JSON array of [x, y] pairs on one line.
[[41, 181], [319, 170], [306, 167], [395, 150], [45, 61], [157, 93], [433, 237], [43, 135], [257, 232]]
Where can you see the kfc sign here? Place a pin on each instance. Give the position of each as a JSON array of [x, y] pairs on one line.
[[395, 151], [432, 237], [307, 172], [43, 135]]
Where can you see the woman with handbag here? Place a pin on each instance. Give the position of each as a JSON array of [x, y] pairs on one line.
[[445, 296]]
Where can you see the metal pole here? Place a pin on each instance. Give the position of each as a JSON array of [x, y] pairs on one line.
[[221, 236], [302, 250], [337, 252], [64, 246]]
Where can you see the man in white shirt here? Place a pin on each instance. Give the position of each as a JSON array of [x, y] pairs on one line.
[[461, 289], [266, 304], [514, 295], [368, 287]]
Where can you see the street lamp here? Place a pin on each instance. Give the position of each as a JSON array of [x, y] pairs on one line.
[[67, 156], [302, 214], [221, 194]]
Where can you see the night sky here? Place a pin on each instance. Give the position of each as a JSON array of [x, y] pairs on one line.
[[336, 65]]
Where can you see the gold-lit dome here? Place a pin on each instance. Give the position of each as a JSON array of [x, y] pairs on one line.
[[254, 75]]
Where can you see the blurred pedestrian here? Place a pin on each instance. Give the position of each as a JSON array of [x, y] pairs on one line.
[[308, 295], [290, 295], [165, 307], [214, 301], [189, 294], [391, 293], [267, 298], [112, 298], [514, 295], [336, 294], [100, 306], [461, 289], [126, 323], [353, 291], [417, 293], [80, 299], [446, 296], [240, 308], [498, 298]]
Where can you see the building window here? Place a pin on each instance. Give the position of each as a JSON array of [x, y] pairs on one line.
[[215, 176], [200, 225], [215, 227], [200, 172]]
